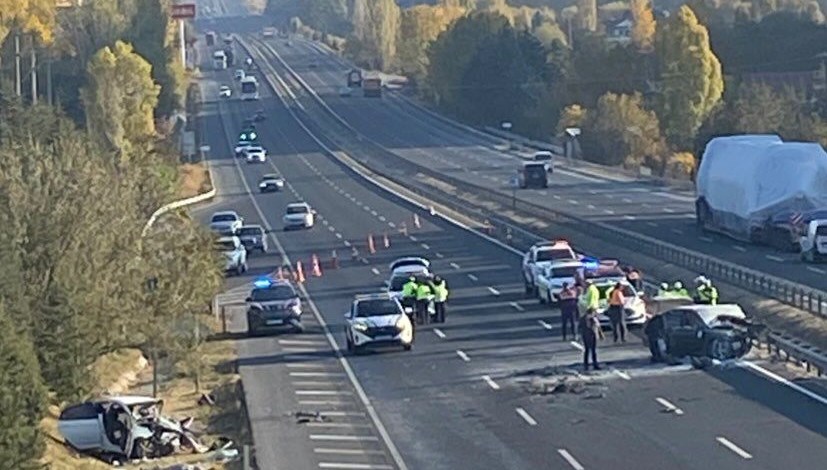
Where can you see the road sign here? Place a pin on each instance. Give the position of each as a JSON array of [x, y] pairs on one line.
[[183, 10]]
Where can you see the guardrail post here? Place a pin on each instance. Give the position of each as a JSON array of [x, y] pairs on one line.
[[223, 319], [245, 457]]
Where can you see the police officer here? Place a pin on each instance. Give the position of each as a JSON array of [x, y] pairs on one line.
[[568, 308], [707, 293], [679, 290], [664, 290], [592, 296], [590, 331], [635, 279], [440, 289], [423, 296], [409, 294]]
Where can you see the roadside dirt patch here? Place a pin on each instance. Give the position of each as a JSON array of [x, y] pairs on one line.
[[195, 179]]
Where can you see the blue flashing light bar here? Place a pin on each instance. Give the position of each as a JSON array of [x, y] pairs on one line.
[[262, 283]]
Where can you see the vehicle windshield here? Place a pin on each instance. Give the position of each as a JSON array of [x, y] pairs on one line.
[[248, 87], [226, 245], [553, 254], [255, 231], [376, 308], [297, 210], [409, 262], [223, 218], [821, 230], [566, 271], [280, 292]]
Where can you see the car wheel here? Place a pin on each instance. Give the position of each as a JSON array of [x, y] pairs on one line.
[[144, 448], [298, 328], [528, 288], [720, 349], [349, 344]]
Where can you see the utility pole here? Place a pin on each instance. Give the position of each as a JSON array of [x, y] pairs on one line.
[[17, 85], [34, 71], [49, 97], [183, 42]]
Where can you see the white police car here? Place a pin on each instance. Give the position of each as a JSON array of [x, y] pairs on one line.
[[273, 305], [377, 320]]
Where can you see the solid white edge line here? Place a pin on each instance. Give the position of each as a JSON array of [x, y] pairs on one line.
[[473, 278], [527, 417], [772, 375], [734, 448], [454, 265], [493, 291], [577, 345], [490, 382], [669, 406], [463, 356], [570, 459], [439, 333], [380, 427]]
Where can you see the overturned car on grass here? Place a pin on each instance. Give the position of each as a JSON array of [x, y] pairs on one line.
[[125, 427], [703, 332]]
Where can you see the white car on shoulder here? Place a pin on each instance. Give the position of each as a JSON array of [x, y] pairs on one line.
[[634, 306], [226, 222], [299, 215], [540, 256], [551, 279], [377, 320]]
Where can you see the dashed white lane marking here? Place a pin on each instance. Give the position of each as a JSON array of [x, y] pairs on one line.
[[413, 238], [439, 255], [374, 271], [678, 231], [491, 382], [463, 356], [339, 437], [706, 239], [347, 243], [338, 235], [359, 203], [777, 259], [323, 450], [570, 459], [391, 224], [304, 365], [739, 248], [354, 466], [629, 217], [555, 196], [454, 265], [439, 333], [325, 222], [314, 383], [669, 406], [545, 324], [608, 211], [331, 228], [382, 218], [652, 224], [374, 213], [473, 278], [621, 374], [493, 291], [516, 306], [527, 417], [577, 345], [627, 200], [816, 270], [731, 446], [591, 206], [323, 392], [572, 201], [364, 260], [425, 246]]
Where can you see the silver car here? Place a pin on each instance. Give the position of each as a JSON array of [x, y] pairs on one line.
[[253, 237]]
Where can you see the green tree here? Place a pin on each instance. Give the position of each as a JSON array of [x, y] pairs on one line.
[[120, 97], [622, 132], [29, 16], [375, 32], [22, 398], [450, 54], [758, 109], [327, 15], [586, 18], [419, 27], [692, 82]]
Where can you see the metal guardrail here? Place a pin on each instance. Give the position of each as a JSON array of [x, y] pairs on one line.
[[783, 346], [797, 295]]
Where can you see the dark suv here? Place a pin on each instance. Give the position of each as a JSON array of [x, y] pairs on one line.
[[273, 305]]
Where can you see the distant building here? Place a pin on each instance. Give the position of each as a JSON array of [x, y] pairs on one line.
[[619, 32]]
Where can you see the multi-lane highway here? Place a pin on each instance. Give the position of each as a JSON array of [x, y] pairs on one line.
[[465, 396], [638, 205]]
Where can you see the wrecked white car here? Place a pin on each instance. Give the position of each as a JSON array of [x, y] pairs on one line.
[[128, 427]]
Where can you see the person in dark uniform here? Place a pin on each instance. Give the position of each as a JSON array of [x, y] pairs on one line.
[[590, 331], [568, 309], [654, 332]]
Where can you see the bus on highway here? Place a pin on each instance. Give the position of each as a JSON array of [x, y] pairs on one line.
[[219, 59], [249, 88]]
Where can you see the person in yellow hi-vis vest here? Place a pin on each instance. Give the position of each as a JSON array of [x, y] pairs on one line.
[[440, 289], [423, 297]]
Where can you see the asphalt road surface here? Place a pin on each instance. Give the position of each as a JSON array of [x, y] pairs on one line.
[[637, 205], [462, 398]]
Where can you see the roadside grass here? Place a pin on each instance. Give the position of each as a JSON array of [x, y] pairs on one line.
[[215, 361], [195, 179]]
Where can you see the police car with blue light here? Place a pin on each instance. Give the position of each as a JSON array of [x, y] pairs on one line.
[[377, 320], [273, 305], [605, 274], [247, 138]]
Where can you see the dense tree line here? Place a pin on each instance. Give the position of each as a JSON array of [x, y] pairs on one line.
[[80, 277], [486, 61]]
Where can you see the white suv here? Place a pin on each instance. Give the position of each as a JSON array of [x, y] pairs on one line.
[[542, 255], [299, 215], [376, 320], [550, 280], [255, 154], [235, 255]]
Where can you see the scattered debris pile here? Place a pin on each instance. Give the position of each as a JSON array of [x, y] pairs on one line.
[[553, 381], [303, 417]]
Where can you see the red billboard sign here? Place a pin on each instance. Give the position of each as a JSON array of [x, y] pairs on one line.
[[183, 10]]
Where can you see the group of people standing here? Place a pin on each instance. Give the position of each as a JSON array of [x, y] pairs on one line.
[[418, 292]]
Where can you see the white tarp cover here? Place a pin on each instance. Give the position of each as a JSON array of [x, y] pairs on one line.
[[746, 179]]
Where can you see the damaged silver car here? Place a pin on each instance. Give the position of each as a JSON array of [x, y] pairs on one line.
[[718, 332], [126, 427]]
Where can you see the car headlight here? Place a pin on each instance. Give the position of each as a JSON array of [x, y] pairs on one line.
[[360, 327], [262, 185]]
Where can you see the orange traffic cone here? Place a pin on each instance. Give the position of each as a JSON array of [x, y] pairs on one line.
[[387, 241], [299, 272], [371, 247], [317, 270], [416, 221], [334, 260]]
